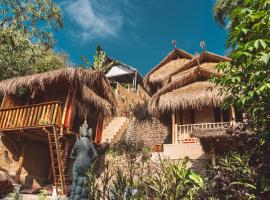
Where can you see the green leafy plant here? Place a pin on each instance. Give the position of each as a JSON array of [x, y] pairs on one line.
[[100, 61], [233, 178], [246, 82], [94, 192], [174, 180], [16, 196]]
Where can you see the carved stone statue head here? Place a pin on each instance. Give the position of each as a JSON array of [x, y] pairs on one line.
[[84, 131]]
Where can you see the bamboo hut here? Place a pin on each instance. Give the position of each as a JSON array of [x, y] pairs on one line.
[[173, 62], [192, 101], [39, 120]]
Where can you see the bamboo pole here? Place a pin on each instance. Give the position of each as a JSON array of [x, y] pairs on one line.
[[173, 129]]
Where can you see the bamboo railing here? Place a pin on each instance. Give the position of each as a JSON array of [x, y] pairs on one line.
[[45, 114], [183, 131]]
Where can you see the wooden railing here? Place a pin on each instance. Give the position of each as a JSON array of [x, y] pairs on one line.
[[44, 114], [183, 131]]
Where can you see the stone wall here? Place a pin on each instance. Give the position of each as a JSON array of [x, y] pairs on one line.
[[151, 132]]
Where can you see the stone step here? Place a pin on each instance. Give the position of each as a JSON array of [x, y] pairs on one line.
[[113, 128]]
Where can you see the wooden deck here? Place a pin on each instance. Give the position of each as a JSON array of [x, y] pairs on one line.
[[41, 122], [31, 118]]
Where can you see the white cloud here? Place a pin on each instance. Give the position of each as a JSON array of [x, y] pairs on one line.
[[94, 18]]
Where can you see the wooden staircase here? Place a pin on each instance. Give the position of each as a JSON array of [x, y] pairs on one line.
[[114, 130], [58, 167]]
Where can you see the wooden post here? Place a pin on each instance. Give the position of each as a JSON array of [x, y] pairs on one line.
[[173, 129], [213, 155], [65, 109], [3, 100], [233, 118], [21, 161]]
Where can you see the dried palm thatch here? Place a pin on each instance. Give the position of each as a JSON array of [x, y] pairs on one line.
[[220, 133], [163, 72], [205, 60], [224, 133], [92, 98], [173, 61], [177, 94], [38, 81], [192, 74], [74, 77], [193, 96]]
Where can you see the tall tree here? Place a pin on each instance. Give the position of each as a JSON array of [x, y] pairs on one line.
[[26, 37], [36, 18], [223, 8]]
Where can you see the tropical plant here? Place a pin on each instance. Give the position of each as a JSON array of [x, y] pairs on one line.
[[100, 61], [174, 180], [232, 178], [247, 77], [246, 82], [94, 192]]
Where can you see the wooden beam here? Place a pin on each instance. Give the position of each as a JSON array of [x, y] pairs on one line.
[[233, 116]]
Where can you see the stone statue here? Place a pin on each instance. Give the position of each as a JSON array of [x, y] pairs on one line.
[[84, 154]]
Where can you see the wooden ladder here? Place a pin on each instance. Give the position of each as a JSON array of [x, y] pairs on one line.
[[57, 164]]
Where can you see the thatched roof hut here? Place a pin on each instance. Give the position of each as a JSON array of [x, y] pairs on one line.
[[189, 87], [170, 64], [92, 86]]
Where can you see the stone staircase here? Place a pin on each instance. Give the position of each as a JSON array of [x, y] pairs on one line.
[[114, 130]]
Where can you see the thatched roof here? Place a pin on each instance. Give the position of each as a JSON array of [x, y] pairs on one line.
[[79, 78], [205, 60], [189, 87], [171, 63], [91, 97], [192, 96], [225, 133], [217, 133]]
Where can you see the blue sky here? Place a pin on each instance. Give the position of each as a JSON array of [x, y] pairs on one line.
[[137, 32]]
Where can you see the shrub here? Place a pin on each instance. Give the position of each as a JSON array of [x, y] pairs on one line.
[[233, 178]]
